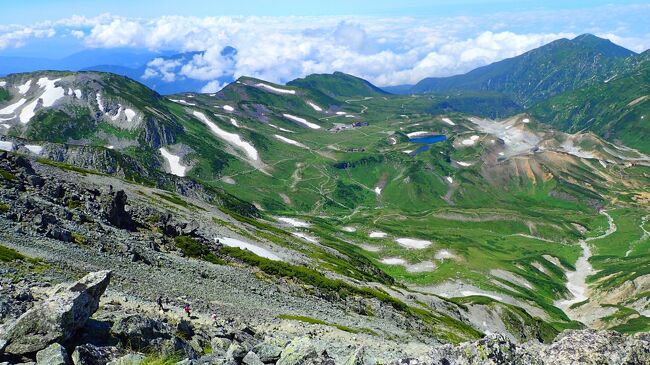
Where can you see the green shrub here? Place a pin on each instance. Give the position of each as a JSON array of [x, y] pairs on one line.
[[190, 247], [4, 207]]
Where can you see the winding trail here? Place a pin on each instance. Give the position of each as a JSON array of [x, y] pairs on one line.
[[577, 280]]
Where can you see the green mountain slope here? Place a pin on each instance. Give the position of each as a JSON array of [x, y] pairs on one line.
[[541, 73], [338, 84], [494, 211], [618, 109]]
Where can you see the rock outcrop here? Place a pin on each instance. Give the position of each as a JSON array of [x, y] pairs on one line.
[[57, 318]]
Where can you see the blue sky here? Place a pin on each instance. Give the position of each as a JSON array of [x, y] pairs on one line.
[[387, 42], [26, 12]]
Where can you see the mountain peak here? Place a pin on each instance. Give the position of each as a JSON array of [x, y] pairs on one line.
[[603, 45]]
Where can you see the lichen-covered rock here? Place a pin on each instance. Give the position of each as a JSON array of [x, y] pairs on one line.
[[55, 354], [597, 347], [267, 352], [140, 332], [251, 358], [57, 318], [491, 350], [92, 355], [298, 351]]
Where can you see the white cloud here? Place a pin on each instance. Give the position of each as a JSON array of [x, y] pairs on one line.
[[386, 51], [212, 87]]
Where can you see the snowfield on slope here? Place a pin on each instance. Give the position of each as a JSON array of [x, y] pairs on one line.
[[232, 138], [302, 121], [10, 109], [174, 162], [293, 222], [259, 251], [290, 141], [34, 148], [275, 89], [377, 234], [413, 243], [6, 146], [51, 94], [315, 107]]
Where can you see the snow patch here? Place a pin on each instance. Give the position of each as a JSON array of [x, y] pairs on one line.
[[305, 237], [181, 101], [349, 229], [377, 190], [315, 107], [275, 89], [470, 141], [6, 146], [22, 89], [377, 234], [228, 108], [281, 129], [293, 222], [421, 267], [464, 164], [526, 120], [469, 293], [174, 162], [77, 93], [3, 83], [418, 133], [302, 121], [100, 104], [449, 179], [130, 114], [234, 122], [448, 121], [393, 261], [259, 251], [12, 108], [413, 243], [232, 138], [290, 141], [443, 254], [34, 148]]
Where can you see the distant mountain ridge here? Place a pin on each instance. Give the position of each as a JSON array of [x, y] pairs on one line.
[[540, 73]]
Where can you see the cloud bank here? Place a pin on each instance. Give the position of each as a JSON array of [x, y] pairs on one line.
[[386, 51]]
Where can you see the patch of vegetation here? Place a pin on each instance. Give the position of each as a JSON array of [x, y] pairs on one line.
[[311, 320], [7, 175], [61, 126], [175, 199], [156, 359], [4, 207], [190, 247], [68, 167], [4, 94], [7, 254]]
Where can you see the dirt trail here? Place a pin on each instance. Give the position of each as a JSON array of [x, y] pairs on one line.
[[577, 280]]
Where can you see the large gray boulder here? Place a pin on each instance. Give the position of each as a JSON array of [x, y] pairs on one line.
[[55, 354], [57, 318], [139, 332], [597, 347]]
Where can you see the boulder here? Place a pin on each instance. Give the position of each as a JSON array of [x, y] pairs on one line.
[[357, 357], [116, 214], [92, 355], [267, 352], [298, 352], [140, 332], [596, 347], [220, 345], [129, 359], [251, 358], [54, 354], [57, 318]]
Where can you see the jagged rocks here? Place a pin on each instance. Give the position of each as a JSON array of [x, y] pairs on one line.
[[267, 352], [492, 350], [55, 354], [116, 214], [597, 347], [140, 332], [89, 354], [300, 351], [57, 318]]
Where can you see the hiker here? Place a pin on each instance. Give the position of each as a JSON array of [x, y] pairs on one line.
[[187, 310], [160, 303], [213, 317]]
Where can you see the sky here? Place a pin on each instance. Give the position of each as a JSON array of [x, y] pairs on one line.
[[386, 42]]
